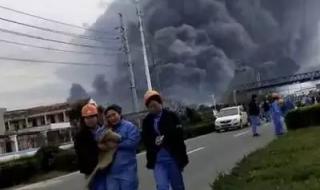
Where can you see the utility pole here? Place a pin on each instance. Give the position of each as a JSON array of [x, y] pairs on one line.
[[143, 42], [126, 49], [235, 99], [259, 81], [214, 101]]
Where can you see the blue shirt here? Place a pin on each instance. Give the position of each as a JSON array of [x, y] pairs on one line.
[[124, 165], [99, 133], [163, 155], [275, 110]]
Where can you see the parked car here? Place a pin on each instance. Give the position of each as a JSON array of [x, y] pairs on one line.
[[231, 118]]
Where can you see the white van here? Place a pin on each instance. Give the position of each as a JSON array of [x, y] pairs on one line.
[[231, 118]]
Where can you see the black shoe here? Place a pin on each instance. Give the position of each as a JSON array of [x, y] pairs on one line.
[[256, 135], [280, 134]]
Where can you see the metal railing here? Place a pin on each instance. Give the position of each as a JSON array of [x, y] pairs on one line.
[[280, 81]]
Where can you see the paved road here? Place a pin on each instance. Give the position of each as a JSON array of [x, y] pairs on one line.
[[209, 155]]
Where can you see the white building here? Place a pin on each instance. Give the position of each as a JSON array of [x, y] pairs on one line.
[[21, 130], [34, 127]]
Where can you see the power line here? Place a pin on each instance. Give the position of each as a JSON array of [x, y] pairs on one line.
[[54, 49], [56, 41], [55, 21], [59, 32], [55, 62]]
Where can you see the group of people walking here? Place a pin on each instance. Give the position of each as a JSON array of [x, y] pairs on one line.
[[274, 108], [106, 147]]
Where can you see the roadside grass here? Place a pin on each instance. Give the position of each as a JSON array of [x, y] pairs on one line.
[[291, 162]]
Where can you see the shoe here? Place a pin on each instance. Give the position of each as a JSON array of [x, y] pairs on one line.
[[256, 135], [280, 134]]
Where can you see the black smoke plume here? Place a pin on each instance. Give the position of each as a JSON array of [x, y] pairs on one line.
[[200, 47]]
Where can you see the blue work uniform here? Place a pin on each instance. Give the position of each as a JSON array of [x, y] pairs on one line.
[[123, 172], [277, 118], [100, 179], [166, 171]]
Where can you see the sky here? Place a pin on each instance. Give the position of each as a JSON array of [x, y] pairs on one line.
[[26, 85]]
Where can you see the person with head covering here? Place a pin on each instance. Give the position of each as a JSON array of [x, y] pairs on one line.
[[254, 115], [277, 114], [122, 174], [162, 135], [108, 142], [87, 148]]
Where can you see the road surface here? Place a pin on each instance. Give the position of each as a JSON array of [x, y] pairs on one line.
[[209, 155]]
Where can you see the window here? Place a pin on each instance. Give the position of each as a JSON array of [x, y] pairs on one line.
[[42, 121], [228, 112], [32, 122], [52, 119], [60, 117], [16, 126], [7, 126]]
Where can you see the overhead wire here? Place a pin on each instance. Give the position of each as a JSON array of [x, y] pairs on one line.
[[107, 50], [54, 62], [56, 41], [59, 32], [54, 49], [55, 21]]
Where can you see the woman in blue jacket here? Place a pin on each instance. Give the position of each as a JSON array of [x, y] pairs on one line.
[[277, 115], [122, 174]]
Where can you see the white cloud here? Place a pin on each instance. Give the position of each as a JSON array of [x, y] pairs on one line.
[[26, 84], [50, 93]]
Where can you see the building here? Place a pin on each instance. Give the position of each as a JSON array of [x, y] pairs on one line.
[[45, 125], [34, 127]]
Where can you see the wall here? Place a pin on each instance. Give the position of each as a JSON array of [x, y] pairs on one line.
[[2, 124]]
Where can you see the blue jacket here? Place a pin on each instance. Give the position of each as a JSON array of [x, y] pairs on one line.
[[124, 165], [276, 110]]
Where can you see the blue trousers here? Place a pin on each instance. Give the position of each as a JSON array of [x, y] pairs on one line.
[[120, 184], [100, 181], [278, 125], [168, 174], [103, 181], [255, 122], [267, 116]]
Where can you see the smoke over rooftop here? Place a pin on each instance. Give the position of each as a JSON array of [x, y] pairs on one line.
[[197, 47]]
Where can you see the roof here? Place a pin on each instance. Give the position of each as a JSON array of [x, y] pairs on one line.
[[38, 110]]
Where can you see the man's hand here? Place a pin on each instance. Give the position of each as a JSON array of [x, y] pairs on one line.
[[159, 140]]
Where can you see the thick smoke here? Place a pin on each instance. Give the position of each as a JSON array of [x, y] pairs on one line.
[[213, 38], [101, 88], [200, 47], [77, 92], [100, 91]]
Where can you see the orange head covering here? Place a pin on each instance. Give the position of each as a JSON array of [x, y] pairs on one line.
[[275, 96], [150, 94], [89, 110]]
